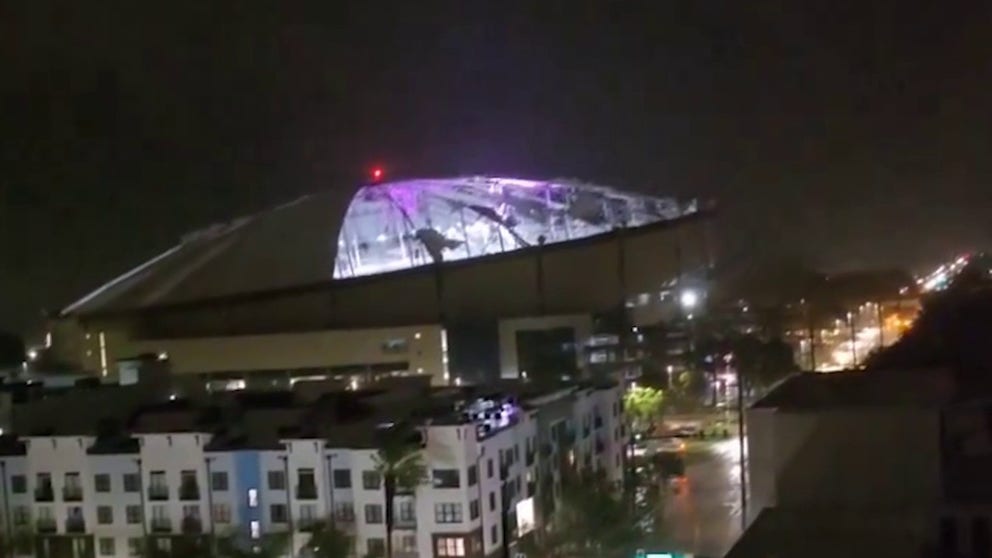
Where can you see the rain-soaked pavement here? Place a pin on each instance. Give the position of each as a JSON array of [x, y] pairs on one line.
[[702, 514]]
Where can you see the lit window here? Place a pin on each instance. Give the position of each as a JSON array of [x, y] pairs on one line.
[[252, 498], [451, 546], [256, 529]]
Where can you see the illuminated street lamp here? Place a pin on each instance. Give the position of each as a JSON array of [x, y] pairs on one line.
[[689, 299]]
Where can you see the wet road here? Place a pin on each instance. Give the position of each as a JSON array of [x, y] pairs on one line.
[[702, 514]]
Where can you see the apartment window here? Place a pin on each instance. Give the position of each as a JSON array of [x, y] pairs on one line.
[[446, 478], [277, 480], [221, 513], [306, 484], [104, 515], [308, 512], [373, 513], [192, 512], [376, 546], [255, 529], [106, 545], [277, 513], [157, 478], [134, 546], [473, 475], [22, 515], [494, 534], [448, 512], [164, 544], [492, 501], [473, 509], [72, 481], [408, 543], [101, 483], [395, 346], [252, 498], [344, 511], [133, 514], [406, 511], [18, 484], [371, 480], [218, 481], [131, 482], [342, 478], [450, 546], [489, 468]]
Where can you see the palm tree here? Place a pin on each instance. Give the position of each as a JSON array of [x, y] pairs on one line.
[[400, 465]]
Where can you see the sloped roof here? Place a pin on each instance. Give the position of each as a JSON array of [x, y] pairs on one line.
[[287, 246]]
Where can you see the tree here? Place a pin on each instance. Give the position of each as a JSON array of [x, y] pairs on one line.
[[643, 405], [400, 465], [593, 520], [20, 542], [327, 541], [227, 545]]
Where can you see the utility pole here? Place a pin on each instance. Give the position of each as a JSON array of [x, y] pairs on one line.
[[741, 445], [881, 326], [811, 331], [854, 348]]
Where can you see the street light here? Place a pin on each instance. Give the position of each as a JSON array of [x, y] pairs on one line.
[[689, 298]]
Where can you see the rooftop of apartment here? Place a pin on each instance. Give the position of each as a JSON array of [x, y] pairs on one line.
[[113, 415]]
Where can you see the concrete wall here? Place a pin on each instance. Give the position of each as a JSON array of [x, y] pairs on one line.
[[881, 457]]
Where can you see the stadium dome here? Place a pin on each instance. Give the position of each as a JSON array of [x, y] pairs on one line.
[[410, 223], [384, 227]]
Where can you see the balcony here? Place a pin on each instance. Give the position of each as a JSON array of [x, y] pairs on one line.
[[75, 525], [306, 491], [45, 525], [405, 522], [161, 525], [72, 493], [44, 493], [529, 458], [188, 491], [158, 492], [192, 525]]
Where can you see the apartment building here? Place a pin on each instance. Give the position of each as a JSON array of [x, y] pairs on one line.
[[248, 465]]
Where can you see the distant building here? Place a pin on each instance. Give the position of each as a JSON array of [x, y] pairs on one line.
[[878, 463], [455, 278], [251, 464]]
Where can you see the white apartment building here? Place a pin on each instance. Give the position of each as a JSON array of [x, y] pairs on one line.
[[172, 477]]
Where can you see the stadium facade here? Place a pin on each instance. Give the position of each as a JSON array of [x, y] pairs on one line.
[[465, 279]]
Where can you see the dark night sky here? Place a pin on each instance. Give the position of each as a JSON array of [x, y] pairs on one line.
[[847, 133]]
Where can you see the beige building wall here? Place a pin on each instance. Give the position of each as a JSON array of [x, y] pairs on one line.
[[416, 349]]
